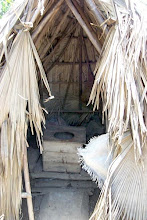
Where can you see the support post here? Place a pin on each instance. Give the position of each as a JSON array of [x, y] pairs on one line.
[[28, 194], [80, 68]]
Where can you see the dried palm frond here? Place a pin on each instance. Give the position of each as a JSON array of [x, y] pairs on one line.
[[10, 18], [95, 158], [7, 23], [124, 193], [19, 94], [121, 75]]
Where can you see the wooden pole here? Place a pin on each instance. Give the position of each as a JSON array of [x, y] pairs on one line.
[[56, 32], [93, 40], [60, 55], [64, 34], [92, 6], [46, 18], [80, 68], [27, 186], [39, 17], [39, 37], [84, 17]]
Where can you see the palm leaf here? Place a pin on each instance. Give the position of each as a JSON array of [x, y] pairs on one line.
[[19, 94], [121, 75], [95, 158], [124, 193]]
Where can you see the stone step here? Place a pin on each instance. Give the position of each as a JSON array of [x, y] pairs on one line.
[[36, 191], [60, 176], [62, 183]]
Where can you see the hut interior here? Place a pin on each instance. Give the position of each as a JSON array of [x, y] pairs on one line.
[[69, 58]]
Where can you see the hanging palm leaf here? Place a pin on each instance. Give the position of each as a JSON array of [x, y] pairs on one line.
[[20, 97], [121, 79], [121, 75]]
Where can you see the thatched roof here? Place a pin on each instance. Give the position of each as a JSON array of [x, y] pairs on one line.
[[40, 39]]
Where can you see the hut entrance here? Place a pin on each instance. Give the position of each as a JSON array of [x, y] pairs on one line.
[[69, 58]]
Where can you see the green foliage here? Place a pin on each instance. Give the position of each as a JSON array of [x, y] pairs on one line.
[[4, 6]]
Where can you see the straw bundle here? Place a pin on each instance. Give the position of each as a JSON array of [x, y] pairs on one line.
[[19, 95], [121, 75]]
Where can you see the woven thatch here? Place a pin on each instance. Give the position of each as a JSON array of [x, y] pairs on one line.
[[51, 33]]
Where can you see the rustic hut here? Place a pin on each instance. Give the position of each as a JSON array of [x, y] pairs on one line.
[[67, 52]]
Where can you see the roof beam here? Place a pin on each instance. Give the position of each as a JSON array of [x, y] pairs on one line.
[[85, 18], [37, 12], [92, 6], [89, 32], [46, 18], [55, 33], [64, 34], [61, 53]]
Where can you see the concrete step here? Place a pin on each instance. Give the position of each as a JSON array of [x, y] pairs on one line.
[[60, 176], [62, 183], [64, 205], [38, 191], [44, 206]]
